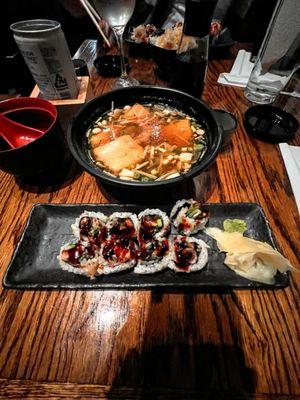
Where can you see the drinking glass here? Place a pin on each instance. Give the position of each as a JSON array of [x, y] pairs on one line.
[[117, 13], [279, 55]]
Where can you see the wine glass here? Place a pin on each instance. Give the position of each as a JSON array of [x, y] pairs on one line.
[[117, 13]]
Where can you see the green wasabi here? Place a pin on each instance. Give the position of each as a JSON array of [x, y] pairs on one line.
[[235, 225]]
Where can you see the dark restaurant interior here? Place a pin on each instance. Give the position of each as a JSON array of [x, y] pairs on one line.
[[150, 199], [247, 21]]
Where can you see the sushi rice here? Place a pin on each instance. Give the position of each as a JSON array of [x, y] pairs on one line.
[[122, 215], [156, 263], [106, 269], [202, 255], [85, 267], [166, 225], [179, 216], [151, 267], [159, 256]]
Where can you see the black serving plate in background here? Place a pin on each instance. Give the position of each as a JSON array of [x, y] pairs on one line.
[[34, 264]]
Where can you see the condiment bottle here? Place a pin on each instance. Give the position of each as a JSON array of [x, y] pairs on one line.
[[192, 54]]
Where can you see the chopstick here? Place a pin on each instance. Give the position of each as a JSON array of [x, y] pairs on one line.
[[92, 13]]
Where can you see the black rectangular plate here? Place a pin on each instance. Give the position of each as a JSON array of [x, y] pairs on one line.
[[34, 264]]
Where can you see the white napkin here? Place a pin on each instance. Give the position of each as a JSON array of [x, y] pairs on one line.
[[240, 71], [291, 158]]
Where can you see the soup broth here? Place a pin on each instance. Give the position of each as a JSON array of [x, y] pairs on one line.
[[146, 142]]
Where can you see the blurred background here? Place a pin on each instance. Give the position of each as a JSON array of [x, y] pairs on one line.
[[247, 21]]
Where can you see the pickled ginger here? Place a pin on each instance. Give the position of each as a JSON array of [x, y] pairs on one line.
[[250, 258]]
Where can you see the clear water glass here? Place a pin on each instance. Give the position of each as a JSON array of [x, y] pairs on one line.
[[117, 13], [278, 57]]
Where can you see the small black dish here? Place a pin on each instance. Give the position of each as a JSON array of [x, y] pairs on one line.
[[270, 124], [228, 123], [80, 67], [110, 65]]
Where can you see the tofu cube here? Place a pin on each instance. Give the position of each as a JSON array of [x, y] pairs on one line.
[[118, 154]]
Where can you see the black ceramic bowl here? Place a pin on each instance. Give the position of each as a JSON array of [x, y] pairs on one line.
[[78, 127], [36, 160], [270, 124], [136, 49]]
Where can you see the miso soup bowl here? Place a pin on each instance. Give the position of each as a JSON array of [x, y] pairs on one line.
[[78, 142]]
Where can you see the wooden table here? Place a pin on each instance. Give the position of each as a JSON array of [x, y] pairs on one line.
[[141, 344]]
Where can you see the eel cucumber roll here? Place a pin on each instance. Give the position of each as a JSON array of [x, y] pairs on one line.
[[154, 224], [154, 256], [90, 227], [188, 254], [118, 255], [187, 217], [122, 225], [80, 258]]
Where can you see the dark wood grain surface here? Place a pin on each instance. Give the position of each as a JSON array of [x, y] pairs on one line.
[[142, 344]]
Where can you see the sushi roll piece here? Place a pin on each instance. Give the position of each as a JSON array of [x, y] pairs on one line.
[[154, 256], [90, 227], [188, 254], [122, 225], [80, 258], [154, 224], [118, 255], [187, 217]]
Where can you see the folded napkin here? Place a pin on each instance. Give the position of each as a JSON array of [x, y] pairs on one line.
[[291, 158], [240, 71]]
